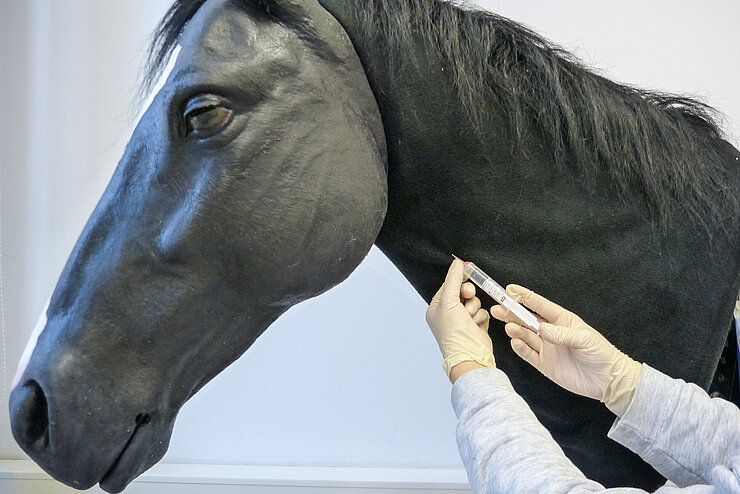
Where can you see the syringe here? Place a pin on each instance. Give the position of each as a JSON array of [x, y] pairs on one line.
[[488, 285]]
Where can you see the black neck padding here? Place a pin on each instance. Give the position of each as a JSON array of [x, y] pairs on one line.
[[664, 297]]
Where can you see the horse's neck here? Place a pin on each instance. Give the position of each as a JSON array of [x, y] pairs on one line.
[[452, 189], [524, 218], [455, 190]]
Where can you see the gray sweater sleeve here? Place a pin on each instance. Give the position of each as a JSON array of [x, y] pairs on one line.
[[684, 434], [506, 450]]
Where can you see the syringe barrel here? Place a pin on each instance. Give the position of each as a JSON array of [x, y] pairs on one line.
[[485, 282], [498, 293]]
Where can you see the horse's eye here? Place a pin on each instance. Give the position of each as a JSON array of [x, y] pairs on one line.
[[206, 115]]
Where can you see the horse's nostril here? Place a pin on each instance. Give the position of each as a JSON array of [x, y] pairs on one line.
[[142, 418], [32, 417]]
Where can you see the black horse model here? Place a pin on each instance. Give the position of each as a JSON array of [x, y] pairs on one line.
[[297, 133]]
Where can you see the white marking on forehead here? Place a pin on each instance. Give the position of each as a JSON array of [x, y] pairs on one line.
[[159, 84], [31, 345]]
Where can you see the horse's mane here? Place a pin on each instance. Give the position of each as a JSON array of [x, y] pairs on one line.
[[667, 147]]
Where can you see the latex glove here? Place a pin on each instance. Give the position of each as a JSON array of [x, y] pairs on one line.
[[570, 352], [459, 324]]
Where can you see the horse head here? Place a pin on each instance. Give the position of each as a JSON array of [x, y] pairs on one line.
[[255, 180]]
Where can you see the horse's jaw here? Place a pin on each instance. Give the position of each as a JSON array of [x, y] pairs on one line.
[[142, 450]]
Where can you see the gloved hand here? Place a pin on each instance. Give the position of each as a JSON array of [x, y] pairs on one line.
[[570, 352], [459, 324]]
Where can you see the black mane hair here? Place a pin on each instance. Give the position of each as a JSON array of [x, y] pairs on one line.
[[667, 148]]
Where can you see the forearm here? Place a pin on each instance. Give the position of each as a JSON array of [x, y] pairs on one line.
[[678, 429], [503, 445]]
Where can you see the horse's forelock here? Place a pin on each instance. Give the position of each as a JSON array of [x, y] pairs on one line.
[[164, 40]]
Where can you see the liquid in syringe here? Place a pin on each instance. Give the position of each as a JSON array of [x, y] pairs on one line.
[[497, 292]]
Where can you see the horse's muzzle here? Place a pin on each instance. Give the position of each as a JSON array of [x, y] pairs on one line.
[[30, 415], [81, 453]]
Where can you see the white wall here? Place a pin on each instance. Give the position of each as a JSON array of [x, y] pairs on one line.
[[349, 379]]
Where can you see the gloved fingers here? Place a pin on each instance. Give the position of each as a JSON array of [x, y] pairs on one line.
[[451, 289], [437, 296], [525, 352], [481, 319], [505, 315], [550, 311], [529, 337], [473, 306], [467, 290], [571, 337], [444, 291]]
